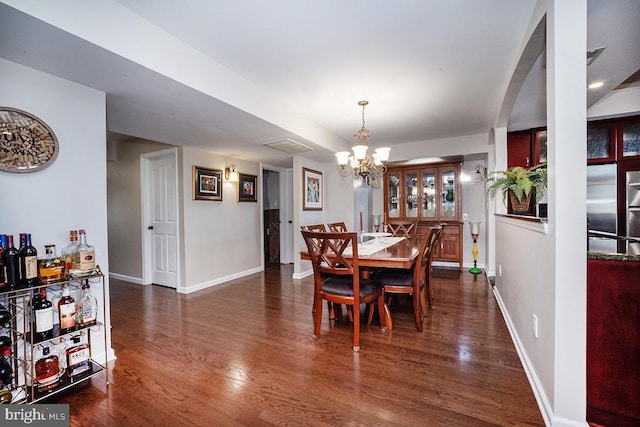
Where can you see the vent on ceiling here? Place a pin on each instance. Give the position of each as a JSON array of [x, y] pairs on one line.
[[592, 54], [288, 146]]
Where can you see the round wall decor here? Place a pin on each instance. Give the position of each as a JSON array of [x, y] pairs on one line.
[[27, 144]]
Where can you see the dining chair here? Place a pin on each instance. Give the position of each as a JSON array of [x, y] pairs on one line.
[[435, 243], [413, 281], [337, 227], [314, 227], [336, 279], [401, 228]]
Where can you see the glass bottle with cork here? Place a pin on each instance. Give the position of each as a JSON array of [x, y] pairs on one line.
[[84, 263], [52, 268], [67, 311], [69, 252], [43, 316], [47, 371], [11, 260], [87, 307]]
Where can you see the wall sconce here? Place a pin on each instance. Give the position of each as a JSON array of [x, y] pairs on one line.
[[230, 173], [481, 174]]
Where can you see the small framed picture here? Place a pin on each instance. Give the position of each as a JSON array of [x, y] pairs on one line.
[[312, 187], [247, 188], [207, 184]]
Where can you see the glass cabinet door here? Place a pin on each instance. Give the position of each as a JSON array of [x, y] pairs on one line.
[[411, 194], [428, 193], [393, 202], [449, 196]]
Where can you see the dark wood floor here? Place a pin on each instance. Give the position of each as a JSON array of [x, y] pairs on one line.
[[241, 354]]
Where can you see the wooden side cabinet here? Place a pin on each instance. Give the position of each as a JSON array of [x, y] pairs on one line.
[[428, 195]]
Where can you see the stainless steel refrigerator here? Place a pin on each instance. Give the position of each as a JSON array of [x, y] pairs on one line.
[[633, 212], [602, 207]]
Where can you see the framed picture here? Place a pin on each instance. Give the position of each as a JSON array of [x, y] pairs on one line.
[[207, 184], [312, 187], [247, 188]]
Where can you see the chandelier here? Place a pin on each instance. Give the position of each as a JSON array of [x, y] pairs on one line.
[[364, 165]]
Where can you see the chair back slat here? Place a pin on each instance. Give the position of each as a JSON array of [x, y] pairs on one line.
[[401, 229], [337, 227], [326, 251]]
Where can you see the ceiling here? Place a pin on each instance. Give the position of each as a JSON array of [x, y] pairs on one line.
[[282, 69]]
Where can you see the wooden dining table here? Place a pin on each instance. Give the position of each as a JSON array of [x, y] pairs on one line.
[[401, 254]]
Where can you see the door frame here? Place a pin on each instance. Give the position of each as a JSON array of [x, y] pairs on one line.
[[145, 209], [286, 211]]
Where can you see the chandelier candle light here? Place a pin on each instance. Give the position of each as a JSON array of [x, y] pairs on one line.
[[475, 231], [364, 165]]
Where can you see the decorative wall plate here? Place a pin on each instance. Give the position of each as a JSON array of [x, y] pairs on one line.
[[27, 144]]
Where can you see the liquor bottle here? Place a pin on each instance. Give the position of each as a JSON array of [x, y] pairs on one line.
[[87, 307], [3, 244], [28, 263], [5, 317], [11, 261], [67, 311], [6, 371], [47, 371], [51, 268], [78, 357], [43, 316], [69, 252], [5, 342], [85, 261]]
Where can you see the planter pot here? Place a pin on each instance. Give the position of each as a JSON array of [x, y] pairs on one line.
[[520, 207]]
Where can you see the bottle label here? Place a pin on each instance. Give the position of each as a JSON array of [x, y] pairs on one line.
[[44, 319], [78, 359], [30, 267], [67, 316], [87, 311], [87, 260]]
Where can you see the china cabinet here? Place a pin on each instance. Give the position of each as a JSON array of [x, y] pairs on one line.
[[428, 195]]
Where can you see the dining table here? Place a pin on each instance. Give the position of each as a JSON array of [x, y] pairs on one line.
[[383, 252]]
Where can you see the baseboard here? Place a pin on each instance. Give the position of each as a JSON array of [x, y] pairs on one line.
[[131, 279], [303, 274], [219, 281], [536, 386]]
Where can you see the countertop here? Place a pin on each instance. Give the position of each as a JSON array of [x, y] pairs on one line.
[[612, 248]]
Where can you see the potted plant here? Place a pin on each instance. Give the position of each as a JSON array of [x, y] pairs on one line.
[[518, 183]]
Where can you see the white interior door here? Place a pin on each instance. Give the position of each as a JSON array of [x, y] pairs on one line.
[[162, 220]]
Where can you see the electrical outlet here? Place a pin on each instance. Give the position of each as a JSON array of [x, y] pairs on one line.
[[465, 216], [535, 326]]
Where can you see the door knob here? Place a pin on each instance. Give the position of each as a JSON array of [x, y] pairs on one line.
[[150, 227]]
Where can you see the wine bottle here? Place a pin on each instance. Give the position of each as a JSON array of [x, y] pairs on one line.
[[28, 263], [5, 317], [43, 316], [11, 258], [3, 245], [67, 311]]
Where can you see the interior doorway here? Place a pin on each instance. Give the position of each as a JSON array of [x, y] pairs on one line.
[[271, 216]]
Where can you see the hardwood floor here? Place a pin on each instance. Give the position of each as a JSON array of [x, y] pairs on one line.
[[241, 354]]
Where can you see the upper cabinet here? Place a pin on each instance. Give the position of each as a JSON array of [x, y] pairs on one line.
[[424, 193], [613, 140], [527, 148]]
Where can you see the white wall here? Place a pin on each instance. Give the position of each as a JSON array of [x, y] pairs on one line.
[[71, 193], [125, 209], [222, 239]]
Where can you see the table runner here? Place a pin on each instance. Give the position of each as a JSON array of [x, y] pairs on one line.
[[374, 245]]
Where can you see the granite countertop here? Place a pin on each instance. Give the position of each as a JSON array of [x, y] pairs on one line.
[[613, 256]]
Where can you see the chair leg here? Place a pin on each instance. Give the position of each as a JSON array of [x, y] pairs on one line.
[[382, 313], [423, 301], [416, 310], [330, 308], [430, 293], [356, 328], [317, 318], [371, 309], [387, 317]]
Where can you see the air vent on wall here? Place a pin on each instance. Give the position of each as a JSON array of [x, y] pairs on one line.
[[592, 54], [288, 146]]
